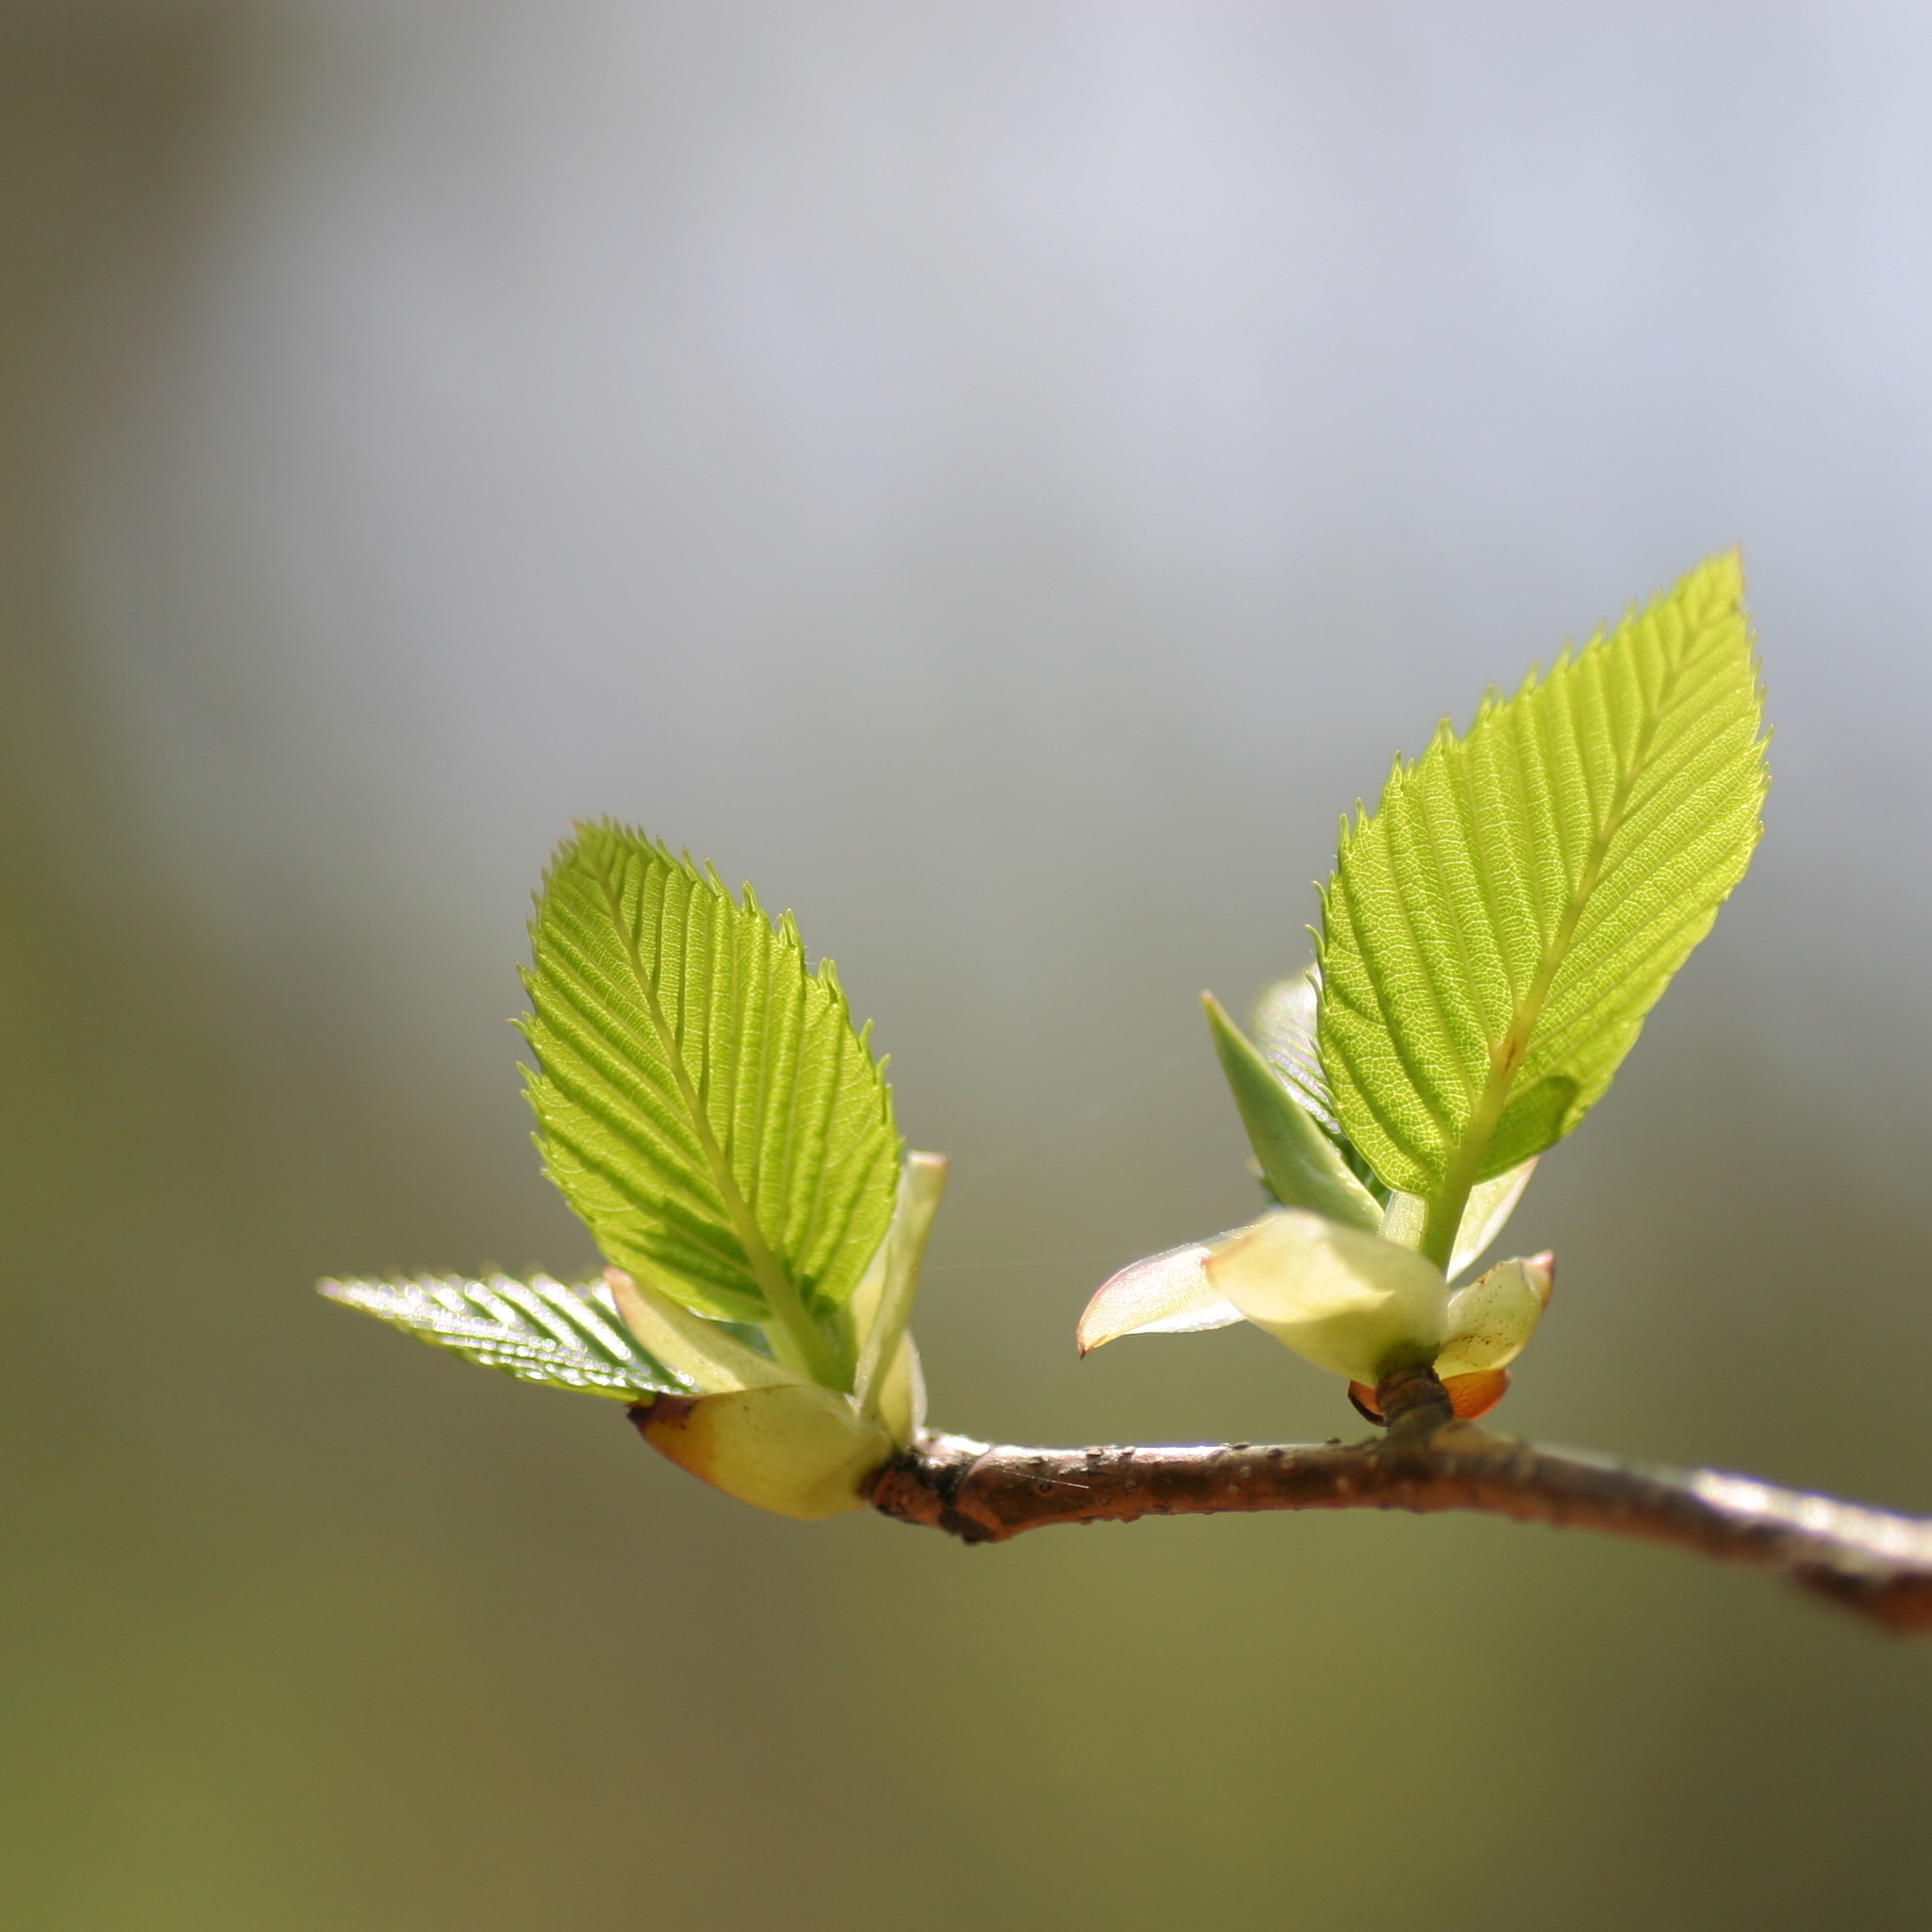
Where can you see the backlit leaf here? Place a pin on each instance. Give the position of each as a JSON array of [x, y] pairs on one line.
[[1298, 1159], [704, 1101], [537, 1331], [1495, 933]]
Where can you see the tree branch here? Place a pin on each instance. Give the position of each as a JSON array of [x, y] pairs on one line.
[[1869, 1560]]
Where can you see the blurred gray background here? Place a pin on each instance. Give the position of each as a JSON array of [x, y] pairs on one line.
[[1001, 477]]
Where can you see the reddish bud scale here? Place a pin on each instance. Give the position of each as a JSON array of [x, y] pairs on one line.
[[1469, 1395]]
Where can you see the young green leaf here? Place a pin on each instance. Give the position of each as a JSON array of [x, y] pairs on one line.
[[704, 1101], [1297, 1160], [1495, 933], [1287, 1019], [882, 1307], [537, 1331]]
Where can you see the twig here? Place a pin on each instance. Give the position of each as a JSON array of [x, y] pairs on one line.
[[1869, 1560]]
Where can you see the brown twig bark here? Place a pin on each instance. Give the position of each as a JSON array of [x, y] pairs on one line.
[[1867, 1560]]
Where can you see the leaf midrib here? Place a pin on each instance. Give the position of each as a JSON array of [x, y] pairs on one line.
[[798, 1337], [1507, 1055]]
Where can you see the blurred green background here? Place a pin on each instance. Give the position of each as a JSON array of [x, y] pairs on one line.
[[1001, 477]]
